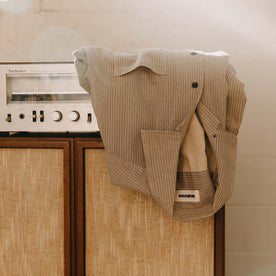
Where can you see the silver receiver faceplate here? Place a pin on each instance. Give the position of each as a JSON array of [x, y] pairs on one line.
[[44, 97]]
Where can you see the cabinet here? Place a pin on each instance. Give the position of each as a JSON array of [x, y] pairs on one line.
[[61, 216]]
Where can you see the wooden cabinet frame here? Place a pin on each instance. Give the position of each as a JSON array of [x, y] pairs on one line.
[[73, 147], [67, 146], [81, 144]]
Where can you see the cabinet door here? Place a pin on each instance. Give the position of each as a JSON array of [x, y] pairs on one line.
[[128, 233], [34, 207]]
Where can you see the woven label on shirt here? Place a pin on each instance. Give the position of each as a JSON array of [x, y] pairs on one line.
[[187, 196]]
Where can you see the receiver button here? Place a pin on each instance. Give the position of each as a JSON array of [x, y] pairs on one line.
[[74, 116], [8, 118]]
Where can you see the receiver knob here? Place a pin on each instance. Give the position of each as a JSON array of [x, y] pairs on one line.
[[74, 115], [56, 116]]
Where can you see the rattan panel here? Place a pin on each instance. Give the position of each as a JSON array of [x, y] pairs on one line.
[[31, 212], [128, 233]]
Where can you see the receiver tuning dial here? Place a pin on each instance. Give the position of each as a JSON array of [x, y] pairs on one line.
[[56, 116], [74, 116]]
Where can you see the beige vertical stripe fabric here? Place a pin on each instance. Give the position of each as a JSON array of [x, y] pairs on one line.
[[236, 102], [147, 102]]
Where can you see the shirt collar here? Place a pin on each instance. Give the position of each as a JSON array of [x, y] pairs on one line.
[[152, 58]]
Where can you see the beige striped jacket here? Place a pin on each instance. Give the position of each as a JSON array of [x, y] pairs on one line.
[[169, 120]]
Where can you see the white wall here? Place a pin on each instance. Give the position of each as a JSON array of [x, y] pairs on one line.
[[246, 29]]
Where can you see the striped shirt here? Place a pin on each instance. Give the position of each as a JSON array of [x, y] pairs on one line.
[[169, 120]]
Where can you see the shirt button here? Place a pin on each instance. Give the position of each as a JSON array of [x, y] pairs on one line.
[[193, 53], [194, 84]]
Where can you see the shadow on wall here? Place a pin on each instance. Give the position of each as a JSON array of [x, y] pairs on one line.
[[268, 270]]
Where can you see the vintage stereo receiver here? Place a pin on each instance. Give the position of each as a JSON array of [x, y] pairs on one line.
[[44, 97]]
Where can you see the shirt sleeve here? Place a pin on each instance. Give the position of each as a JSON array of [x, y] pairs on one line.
[[81, 64], [236, 101]]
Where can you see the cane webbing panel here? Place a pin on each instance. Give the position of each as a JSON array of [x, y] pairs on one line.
[[31, 212], [128, 233]]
